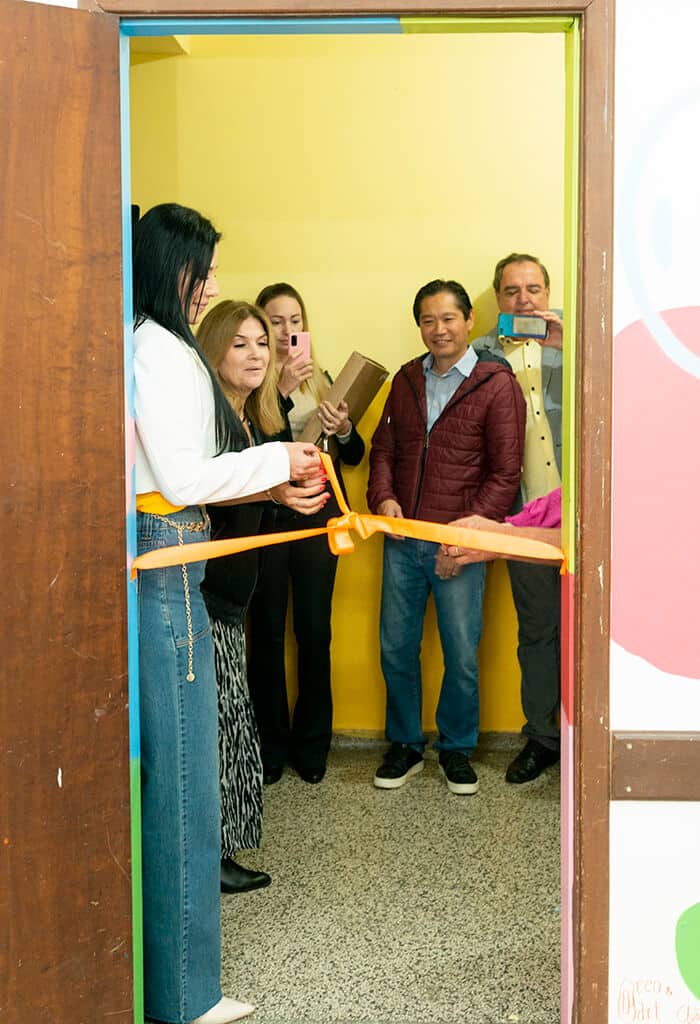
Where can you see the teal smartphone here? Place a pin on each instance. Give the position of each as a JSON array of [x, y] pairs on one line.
[[514, 325]]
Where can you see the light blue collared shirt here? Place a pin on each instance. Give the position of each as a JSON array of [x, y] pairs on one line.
[[439, 389]]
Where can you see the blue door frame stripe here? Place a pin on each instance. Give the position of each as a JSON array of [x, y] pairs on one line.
[[128, 313], [131, 595], [258, 26]]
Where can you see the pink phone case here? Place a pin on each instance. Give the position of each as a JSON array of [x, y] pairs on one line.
[[299, 344]]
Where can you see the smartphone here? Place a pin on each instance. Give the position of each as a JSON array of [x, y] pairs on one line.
[[299, 344], [511, 325]]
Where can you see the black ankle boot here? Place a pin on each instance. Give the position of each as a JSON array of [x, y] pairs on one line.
[[235, 878]]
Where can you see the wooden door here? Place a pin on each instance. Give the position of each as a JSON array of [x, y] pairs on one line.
[[65, 866]]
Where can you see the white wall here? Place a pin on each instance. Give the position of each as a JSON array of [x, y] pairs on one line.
[[655, 650]]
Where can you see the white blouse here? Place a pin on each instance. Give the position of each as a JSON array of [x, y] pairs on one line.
[[176, 432], [305, 406]]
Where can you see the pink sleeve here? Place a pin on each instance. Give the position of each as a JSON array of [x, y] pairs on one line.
[[544, 511]]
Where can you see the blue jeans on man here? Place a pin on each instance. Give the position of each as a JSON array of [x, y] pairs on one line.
[[409, 578]]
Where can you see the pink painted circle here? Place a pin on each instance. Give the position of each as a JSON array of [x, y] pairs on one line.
[[655, 567]]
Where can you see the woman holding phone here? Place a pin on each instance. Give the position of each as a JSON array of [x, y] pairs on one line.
[[185, 456], [304, 742], [235, 340]]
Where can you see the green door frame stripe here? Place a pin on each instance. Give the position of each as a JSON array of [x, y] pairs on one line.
[[572, 64], [494, 24]]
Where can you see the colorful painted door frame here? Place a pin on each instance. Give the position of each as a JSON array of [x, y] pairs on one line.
[[589, 625], [588, 293]]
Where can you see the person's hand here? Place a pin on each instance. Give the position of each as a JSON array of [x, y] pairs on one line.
[[555, 329], [392, 509], [467, 556], [475, 523], [334, 419], [292, 373], [304, 460], [445, 566], [306, 498]]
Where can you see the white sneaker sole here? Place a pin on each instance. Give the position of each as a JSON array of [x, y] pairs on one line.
[[381, 783], [461, 788]]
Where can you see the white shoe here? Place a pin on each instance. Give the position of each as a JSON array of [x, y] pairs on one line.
[[225, 1011]]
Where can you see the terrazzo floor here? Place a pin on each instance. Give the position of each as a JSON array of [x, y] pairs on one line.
[[410, 906]]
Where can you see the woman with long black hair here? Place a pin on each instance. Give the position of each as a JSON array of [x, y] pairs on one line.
[[185, 436]]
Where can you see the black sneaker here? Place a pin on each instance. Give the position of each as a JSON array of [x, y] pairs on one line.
[[400, 762], [459, 774], [530, 762]]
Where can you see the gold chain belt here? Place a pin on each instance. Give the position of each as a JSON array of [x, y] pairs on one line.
[[193, 528]]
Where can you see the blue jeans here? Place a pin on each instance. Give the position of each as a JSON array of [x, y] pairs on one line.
[[409, 576], [179, 782]]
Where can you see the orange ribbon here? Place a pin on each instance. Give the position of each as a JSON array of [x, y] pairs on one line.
[[338, 531]]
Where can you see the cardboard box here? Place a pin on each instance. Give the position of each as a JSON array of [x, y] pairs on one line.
[[357, 383]]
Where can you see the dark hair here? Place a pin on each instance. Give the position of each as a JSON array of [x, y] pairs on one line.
[[173, 249], [275, 291], [434, 288], [517, 257]]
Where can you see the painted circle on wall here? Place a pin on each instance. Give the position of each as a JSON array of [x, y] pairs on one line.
[[655, 569], [688, 948]]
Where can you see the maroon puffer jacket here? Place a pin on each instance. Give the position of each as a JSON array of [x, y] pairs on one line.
[[469, 463]]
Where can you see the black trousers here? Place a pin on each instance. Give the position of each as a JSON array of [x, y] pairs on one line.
[[537, 596], [311, 567]]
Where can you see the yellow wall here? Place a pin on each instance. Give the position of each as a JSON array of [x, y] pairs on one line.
[[358, 168]]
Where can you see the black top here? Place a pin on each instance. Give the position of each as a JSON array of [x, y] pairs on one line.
[[229, 581]]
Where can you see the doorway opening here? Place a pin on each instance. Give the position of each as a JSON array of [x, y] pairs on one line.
[[423, 223]]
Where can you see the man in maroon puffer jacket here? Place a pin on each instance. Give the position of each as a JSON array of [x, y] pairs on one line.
[[449, 444]]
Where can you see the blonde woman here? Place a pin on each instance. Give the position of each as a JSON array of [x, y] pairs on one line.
[[304, 741], [235, 340]]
